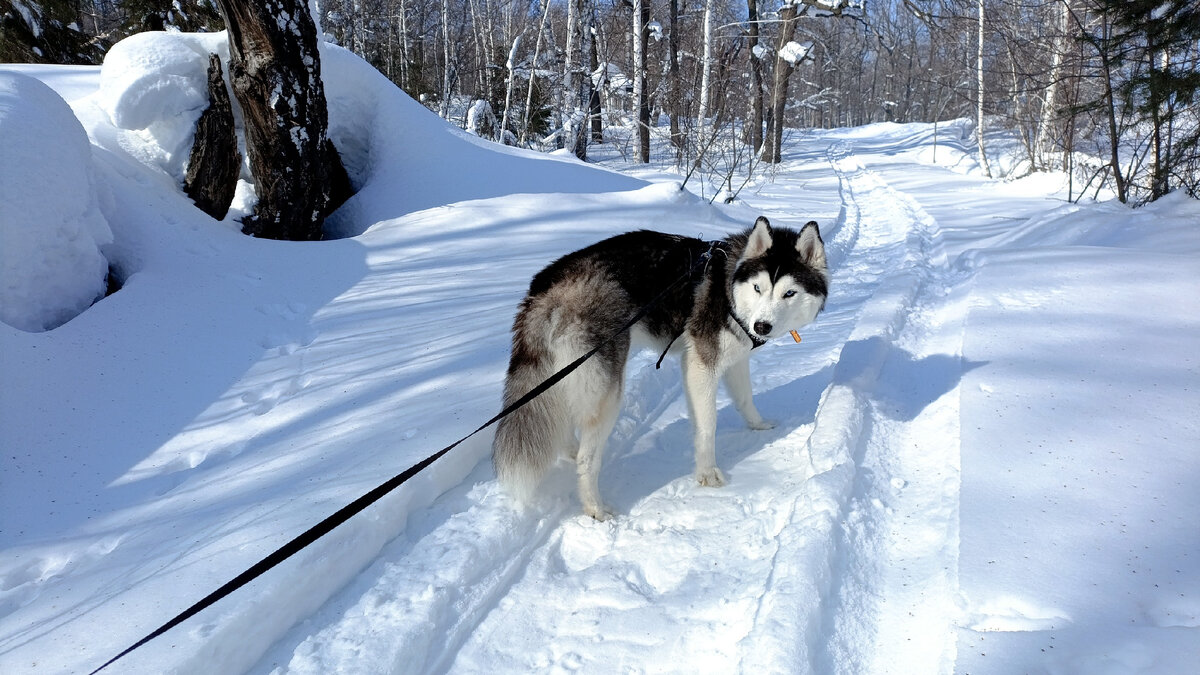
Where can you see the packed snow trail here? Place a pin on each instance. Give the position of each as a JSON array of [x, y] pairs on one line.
[[899, 375], [750, 573]]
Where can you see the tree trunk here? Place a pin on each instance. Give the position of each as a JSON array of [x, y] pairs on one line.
[[446, 76], [675, 105], [215, 163], [594, 109], [275, 70], [987, 170], [755, 137], [570, 91], [511, 66], [1110, 105], [641, 42], [1049, 103], [1155, 103], [537, 52], [783, 70], [705, 74], [588, 88]]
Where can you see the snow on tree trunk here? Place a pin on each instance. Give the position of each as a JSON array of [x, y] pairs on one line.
[[275, 70], [215, 162]]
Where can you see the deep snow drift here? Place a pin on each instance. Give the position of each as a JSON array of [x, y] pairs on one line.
[[51, 268], [984, 461]]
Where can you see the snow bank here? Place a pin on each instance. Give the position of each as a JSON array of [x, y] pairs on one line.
[[51, 267], [403, 158]]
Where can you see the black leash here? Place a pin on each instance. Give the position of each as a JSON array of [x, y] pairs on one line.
[[348, 511]]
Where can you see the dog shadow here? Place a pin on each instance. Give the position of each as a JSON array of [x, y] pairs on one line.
[[898, 384], [639, 466]]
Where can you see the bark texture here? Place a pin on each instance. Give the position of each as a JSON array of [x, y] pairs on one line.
[[215, 162], [275, 71]]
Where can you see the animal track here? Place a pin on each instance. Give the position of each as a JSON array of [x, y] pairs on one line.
[[284, 375], [22, 584]]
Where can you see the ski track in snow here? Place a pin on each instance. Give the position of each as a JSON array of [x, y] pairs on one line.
[[785, 565]]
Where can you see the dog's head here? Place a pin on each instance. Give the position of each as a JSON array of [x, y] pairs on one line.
[[781, 279]]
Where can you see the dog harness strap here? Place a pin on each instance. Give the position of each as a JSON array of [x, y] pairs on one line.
[[754, 339], [658, 363]]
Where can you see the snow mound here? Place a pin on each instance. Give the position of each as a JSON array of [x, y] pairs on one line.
[[153, 87], [51, 267], [149, 77]]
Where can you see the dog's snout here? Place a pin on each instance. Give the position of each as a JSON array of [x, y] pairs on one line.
[[762, 328]]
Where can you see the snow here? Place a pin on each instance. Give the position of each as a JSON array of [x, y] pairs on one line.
[[51, 267], [794, 52], [984, 462]]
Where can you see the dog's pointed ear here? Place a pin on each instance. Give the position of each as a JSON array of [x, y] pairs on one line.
[[760, 238], [809, 245]]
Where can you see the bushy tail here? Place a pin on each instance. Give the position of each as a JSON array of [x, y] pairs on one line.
[[528, 439]]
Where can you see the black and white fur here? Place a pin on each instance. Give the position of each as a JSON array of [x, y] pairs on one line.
[[759, 284]]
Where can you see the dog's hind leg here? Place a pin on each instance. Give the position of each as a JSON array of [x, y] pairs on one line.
[[595, 404], [593, 434]]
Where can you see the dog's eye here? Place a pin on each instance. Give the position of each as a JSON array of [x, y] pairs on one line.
[[756, 289], [789, 294]]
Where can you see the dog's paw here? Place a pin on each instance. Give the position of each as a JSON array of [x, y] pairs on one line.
[[711, 477], [599, 512], [761, 425]]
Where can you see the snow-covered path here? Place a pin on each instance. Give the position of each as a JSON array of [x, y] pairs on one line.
[[754, 577]]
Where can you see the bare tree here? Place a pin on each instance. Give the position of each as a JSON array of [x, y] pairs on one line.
[[755, 122], [641, 38], [705, 69], [987, 170]]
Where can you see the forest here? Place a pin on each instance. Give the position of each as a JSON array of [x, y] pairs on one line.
[[1104, 90]]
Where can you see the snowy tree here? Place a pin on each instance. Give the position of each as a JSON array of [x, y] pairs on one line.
[[789, 54]]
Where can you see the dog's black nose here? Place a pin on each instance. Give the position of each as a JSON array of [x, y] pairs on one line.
[[762, 327]]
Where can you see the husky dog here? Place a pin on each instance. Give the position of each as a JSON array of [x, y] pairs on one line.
[[756, 285]]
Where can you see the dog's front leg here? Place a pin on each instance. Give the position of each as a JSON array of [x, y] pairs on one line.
[[737, 381], [700, 384]]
